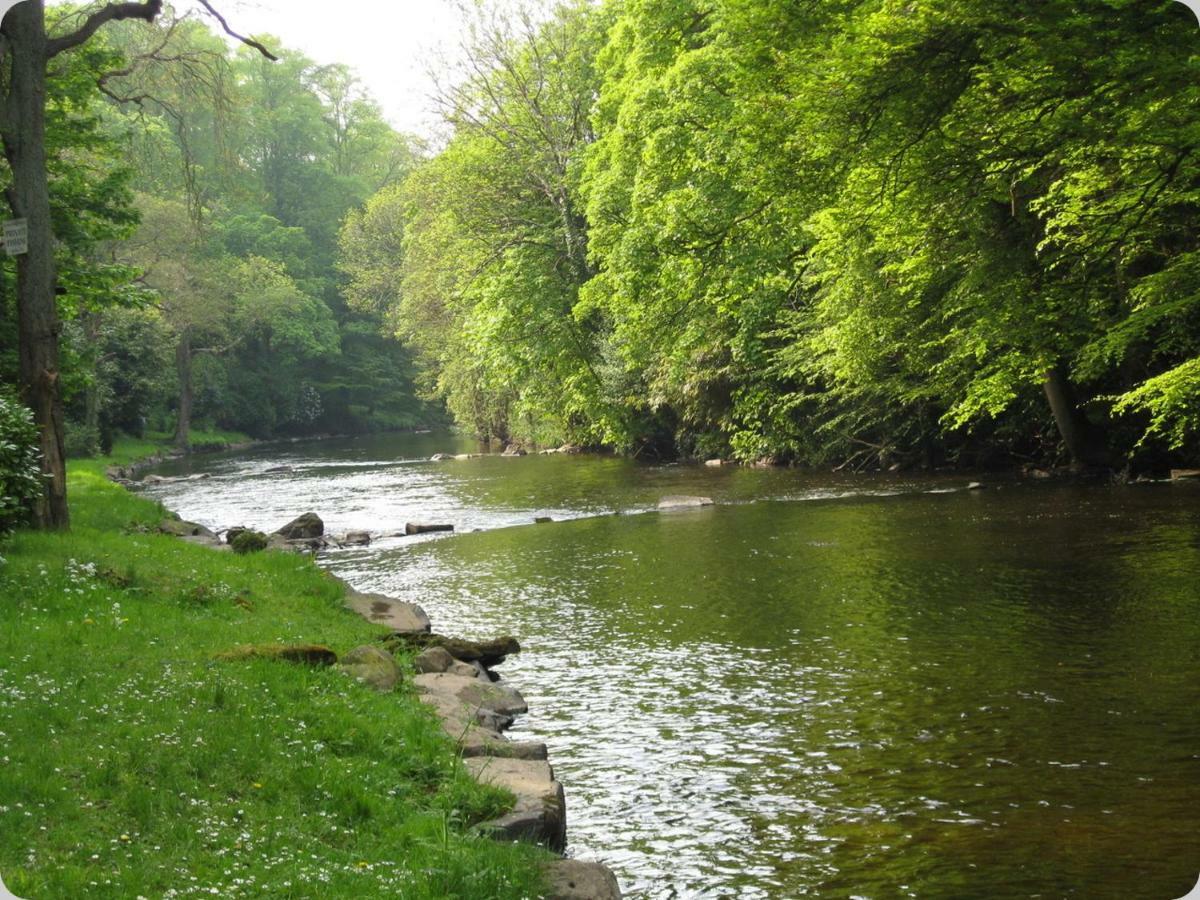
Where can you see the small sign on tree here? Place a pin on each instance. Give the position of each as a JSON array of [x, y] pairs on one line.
[[16, 237]]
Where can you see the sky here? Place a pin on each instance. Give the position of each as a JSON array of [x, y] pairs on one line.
[[391, 44]]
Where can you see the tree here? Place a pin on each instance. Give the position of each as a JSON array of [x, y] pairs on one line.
[[491, 238], [26, 48]]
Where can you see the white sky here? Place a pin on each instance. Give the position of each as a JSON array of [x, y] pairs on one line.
[[391, 45]]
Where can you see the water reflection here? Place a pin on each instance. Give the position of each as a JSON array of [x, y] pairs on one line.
[[886, 692]]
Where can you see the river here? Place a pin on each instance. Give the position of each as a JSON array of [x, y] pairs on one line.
[[823, 685]]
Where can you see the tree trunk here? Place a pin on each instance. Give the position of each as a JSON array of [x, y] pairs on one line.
[[1081, 441], [183, 365], [24, 138]]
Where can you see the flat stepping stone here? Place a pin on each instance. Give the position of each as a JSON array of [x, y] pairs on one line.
[[493, 697], [680, 501], [406, 618], [574, 879], [477, 731], [540, 813]]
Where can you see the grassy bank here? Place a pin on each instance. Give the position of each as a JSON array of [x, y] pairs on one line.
[[134, 764], [128, 449]]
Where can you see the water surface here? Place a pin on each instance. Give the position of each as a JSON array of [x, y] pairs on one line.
[[821, 686]]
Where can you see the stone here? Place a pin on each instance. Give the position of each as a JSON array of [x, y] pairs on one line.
[[513, 450], [575, 879], [506, 749], [246, 541], [200, 476], [153, 479], [488, 653], [975, 486], [541, 520], [231, 533], [440, 457], [681, 501], [308, 525], [401, 617], [309, 654], [425, 528], [714, 463], [1184, 474], [495, 697], [278, 542], [371, 666], [356, 538], [114, 473], [433, 659], [540, 811], [467, 670], [278, 470], [475, 730], [203, 540], [180, 528]]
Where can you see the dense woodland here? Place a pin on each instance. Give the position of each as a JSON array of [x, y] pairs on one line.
[[197, 194], [852, 232]]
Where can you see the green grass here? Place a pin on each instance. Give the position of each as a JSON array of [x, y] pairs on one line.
[[128, 449], [199, 437], [134, 764]]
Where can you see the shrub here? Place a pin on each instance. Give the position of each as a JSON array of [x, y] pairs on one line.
[[81, 441], [20, 473], [249, 542]]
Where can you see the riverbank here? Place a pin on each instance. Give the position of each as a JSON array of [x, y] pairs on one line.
[[137, 763]]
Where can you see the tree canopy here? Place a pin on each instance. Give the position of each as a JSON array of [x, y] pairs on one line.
[[867, 231]]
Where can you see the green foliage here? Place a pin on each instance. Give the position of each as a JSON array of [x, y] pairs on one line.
[[477, 261], [853, 231], [20, 471], [249, 542], [243, 171]]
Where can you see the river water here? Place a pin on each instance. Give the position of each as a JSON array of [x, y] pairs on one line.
[[826, 686]]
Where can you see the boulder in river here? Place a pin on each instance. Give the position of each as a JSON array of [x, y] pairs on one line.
[[278, 470], [681, 501], [513, 450], [441, 457], [425, 527], [355, 538], [433, 660], [575, 879], [1185, 474], [308, 525], [489, 653], [540, 812], [495, 697]]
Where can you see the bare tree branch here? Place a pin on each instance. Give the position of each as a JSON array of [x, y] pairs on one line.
[[249, 42], [111, 13]]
